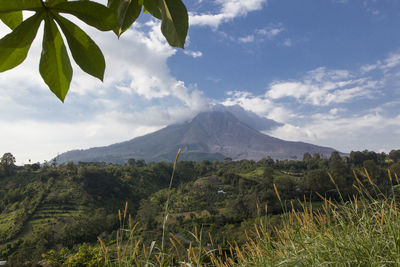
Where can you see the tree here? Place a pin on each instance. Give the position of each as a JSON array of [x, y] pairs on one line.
[[358, 158], [131, 162], [395, 169], [395, 155], [307, 156], [268, 177], [335, 156], [316, 156], [72, 169], [318, 181], [7, 163], [55, 66], [147, 214], [373, 170], [339, 170], [286, 185]]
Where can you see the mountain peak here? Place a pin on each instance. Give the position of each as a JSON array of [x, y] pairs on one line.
[[249, 117], [212, 135]]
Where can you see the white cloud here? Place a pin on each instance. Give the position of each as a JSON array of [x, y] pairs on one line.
[[287, 42], [246, 39], [341, 1], [261, 34], [271, 31], [39, 140], [368, 6], [194, 54], [321, 87], [390, 62], [336, 111], [345, 133], [369, 67], [228, 10], [248, 101], [260, 105]]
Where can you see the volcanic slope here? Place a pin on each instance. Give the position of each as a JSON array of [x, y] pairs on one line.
[[213, 135]]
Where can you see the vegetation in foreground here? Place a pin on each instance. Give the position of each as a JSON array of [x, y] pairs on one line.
[[220, 213], [363, 231]]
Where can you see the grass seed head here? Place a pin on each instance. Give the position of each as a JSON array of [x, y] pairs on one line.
[[126, 208], [177, 157], [277, 193]]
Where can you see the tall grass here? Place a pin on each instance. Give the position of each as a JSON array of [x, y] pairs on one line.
[[128, 250], [166, 211], [364, 231]]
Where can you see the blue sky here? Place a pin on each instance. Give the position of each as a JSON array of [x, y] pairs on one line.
[[328, 71]]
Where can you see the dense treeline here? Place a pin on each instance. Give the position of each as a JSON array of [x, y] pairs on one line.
[[52, 206]]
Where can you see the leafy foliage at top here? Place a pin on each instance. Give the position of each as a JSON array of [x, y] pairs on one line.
[[55, 66]]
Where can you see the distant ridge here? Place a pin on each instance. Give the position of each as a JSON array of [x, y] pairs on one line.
[[213, 135]]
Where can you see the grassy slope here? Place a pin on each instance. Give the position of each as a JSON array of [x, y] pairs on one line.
[[361, 232]]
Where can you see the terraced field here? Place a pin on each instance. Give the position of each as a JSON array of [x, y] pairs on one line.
[[49, 205], [54, 213]]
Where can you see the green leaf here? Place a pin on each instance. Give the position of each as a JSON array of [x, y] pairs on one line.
[[175, 22], [14, 46], [113, 4], [55, 2], [17, 5], [55, 66], [127, 11], [84, 51], [12, 19], [153, 7], [92, 13]]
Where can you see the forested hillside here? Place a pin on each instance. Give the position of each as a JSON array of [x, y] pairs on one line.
[[51, 207], [44, 207]]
